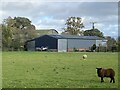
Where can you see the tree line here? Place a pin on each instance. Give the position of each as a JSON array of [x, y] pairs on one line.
[[16, 31]]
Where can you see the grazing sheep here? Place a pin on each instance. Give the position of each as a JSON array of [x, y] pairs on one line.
[[106, 73], [84, 56]]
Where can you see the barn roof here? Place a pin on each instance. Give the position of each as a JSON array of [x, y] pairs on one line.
[[75, 37], [70, 37]]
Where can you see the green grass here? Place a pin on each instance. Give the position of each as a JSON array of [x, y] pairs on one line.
[[56, 70]]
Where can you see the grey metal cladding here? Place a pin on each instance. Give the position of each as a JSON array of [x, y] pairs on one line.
[[62, 45], [77, 43], [31, 46], [75, 37]]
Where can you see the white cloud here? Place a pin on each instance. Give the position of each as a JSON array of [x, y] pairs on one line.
[[111, 30], [54, 14], [60, 1]]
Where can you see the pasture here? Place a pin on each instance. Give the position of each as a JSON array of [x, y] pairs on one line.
[[56, 70]]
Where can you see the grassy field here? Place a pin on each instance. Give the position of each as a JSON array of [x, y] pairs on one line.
[[56, 70]]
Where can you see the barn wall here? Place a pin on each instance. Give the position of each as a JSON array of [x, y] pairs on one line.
[[80, 44], [62, 45], [101, 42], [46, 41], [98, 42], [31, 46]]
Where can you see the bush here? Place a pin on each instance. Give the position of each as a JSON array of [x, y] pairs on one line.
[[101, 49], [93, 48], [75, 50]]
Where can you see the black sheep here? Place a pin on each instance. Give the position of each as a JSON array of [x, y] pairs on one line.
[[106, 73]]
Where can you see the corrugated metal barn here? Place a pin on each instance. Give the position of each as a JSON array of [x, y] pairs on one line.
[[64, 43]]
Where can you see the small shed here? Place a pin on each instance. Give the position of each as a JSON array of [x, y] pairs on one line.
[[64, 43]]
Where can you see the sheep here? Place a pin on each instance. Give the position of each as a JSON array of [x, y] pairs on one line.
[[84, 56], [106, 73]]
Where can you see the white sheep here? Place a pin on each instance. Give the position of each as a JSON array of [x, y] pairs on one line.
[[84, 56]]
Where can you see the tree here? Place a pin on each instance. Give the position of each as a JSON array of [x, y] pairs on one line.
[[16, 31], [7, 30], [74, 25], [0, 37], [93, 32], [25, 31], [118, 43], [111, 43]]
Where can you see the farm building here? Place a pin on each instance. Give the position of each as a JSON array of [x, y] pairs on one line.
[[42, 32], [64, 43]]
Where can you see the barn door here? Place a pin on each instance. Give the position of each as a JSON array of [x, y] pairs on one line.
[[62, 45]]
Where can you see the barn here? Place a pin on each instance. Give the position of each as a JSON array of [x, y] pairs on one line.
[[64, 43]]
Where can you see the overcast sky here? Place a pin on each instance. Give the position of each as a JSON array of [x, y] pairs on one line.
[[53, 15]]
